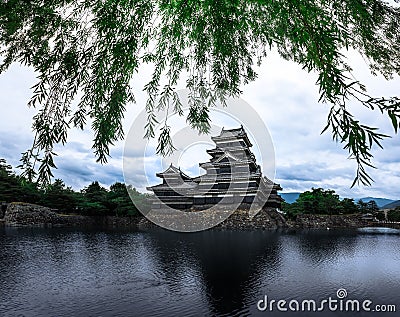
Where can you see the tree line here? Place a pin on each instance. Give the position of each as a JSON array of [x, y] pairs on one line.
[[327, 202], [94, 200], [321, 201]]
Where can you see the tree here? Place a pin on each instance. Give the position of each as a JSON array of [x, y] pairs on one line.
[[16, 188], [380, 216], [96, 47], [394, 215], [348, 206], [30, 192], [140, 200], [292, 210], [121, 202], [362, 206], [60, 197], [367, 207], [319, 201], [10, 187], [94, 200], [372, 206]]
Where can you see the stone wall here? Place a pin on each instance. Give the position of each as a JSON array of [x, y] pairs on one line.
[[326, 221], [29, 215], [21, 214], [239, 220], [264, 219]]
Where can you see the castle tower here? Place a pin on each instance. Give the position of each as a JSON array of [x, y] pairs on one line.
[[232, 177]]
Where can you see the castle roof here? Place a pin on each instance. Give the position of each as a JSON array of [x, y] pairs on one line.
[[232, 134], [173, 171]]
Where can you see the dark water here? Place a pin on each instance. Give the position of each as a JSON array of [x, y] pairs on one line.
[[215, 273]]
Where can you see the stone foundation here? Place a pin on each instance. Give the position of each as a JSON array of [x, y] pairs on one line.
[[29, 215], [327, 221], [239, 220]]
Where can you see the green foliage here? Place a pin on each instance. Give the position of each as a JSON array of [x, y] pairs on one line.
[[292, 210], [380, 216], [60, 197], [29, 192], [367, 207], [320, 201], [327, 202], [394, 215], [16, 188], [10, 187], [96, 200], [141, 200], [120, 197], [93, 200], [96, 47], [348, 206]]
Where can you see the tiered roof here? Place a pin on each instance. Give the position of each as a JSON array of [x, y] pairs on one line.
[[232, 169], [232, 134], [173, 176], [173, 171]]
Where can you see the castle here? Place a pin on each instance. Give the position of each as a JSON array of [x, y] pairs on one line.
[[232, 178]]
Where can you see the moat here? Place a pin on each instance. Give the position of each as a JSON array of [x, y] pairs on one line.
[[69, 272]]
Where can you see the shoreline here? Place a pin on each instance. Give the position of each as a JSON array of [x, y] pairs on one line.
[[33, 216]]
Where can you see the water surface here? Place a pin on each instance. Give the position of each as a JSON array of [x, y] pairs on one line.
[[61, 272]]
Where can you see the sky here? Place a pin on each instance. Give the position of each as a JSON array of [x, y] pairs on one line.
[[283, 96]]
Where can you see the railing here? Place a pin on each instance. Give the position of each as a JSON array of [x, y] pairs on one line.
[[384, 223]]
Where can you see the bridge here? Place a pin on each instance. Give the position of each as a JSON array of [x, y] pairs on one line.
[[383, 224]]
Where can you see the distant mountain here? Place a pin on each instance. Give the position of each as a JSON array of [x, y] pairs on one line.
[[379, 201], [394, 204], [290, 197]]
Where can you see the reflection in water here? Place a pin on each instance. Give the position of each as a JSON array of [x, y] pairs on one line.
[[227, 262], [161, 273]]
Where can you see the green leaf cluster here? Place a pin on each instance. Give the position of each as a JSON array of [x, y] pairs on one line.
[[326, 202], [394, 215]]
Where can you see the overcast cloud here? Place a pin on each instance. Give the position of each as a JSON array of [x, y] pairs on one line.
[[284, 96]]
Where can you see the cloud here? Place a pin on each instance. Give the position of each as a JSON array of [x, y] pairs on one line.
[[310, 171], [80, 173], [12, 144]]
